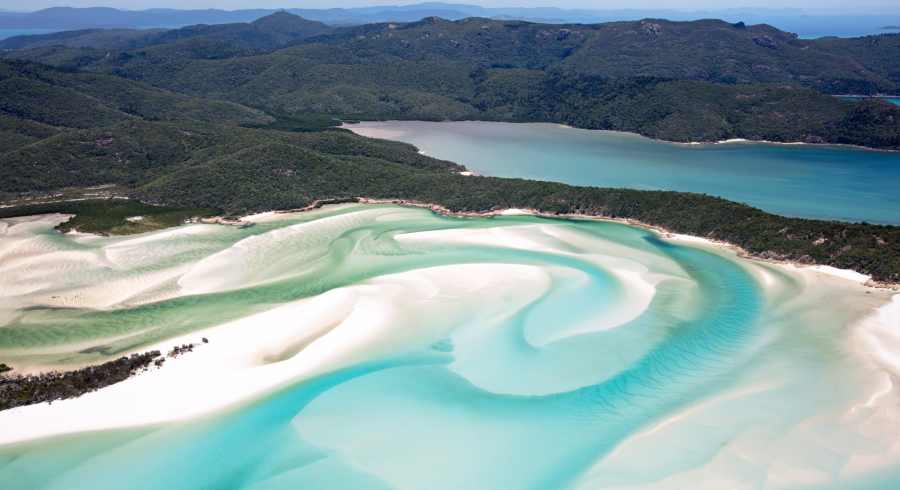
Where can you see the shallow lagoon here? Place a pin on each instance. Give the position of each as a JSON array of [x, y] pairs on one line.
[[821, 182], [514, 352]]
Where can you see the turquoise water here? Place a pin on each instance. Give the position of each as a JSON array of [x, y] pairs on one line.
[[820, 182], [519, 352], [893, 100]]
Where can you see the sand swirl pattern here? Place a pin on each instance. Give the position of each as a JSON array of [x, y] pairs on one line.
[[388, 348]]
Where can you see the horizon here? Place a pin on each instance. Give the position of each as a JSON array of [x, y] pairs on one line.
[[690, 6]]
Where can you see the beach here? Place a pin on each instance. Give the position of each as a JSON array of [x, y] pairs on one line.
[[587, 286]]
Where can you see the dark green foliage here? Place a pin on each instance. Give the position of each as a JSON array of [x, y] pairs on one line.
[[299, 122], [672, 110], [879, 54], [335, 201], [703, 50], [55, 106], [4, 368], [310, 122], [18, 391], [16, 133], [108, 217], [58, 97]]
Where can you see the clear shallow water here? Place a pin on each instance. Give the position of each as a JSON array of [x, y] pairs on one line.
[[559, 370], [820, 182]]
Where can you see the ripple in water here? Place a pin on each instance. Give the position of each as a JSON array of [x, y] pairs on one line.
[[385, 347]]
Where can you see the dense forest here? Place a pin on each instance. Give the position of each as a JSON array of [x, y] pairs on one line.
[[703, 50], [112, 216], [64, 98], [329, 79]]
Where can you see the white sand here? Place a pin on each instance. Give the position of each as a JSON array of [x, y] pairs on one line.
[[842, 273], [359, 323], [695, 239], [514, 211], [341, 327], [824, 269], [254, 217]]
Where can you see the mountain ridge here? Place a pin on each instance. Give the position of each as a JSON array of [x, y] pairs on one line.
[[707, 50]]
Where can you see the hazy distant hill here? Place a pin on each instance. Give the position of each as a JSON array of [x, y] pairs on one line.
[[704, 50], [82, 38], [273, 31], [81, 18]]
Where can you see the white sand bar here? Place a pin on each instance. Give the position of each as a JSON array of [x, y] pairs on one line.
[[343, 327]]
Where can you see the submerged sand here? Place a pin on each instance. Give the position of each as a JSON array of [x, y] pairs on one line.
[[350, 325]]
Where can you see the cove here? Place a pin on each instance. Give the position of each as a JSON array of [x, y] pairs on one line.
[[810, 181]]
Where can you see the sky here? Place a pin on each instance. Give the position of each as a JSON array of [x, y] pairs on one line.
[[811, 6]]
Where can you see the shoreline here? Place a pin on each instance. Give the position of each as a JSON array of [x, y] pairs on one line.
[[251, 356], [247, 221], [664, 233]]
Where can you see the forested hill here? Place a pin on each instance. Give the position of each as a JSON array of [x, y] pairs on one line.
[[37, 102], [61, 98], [333, 79], [703, 50]]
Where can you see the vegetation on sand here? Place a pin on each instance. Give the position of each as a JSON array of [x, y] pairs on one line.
[[19, 390]]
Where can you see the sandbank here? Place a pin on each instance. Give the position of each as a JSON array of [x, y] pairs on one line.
[[253, 355], [306, 338]]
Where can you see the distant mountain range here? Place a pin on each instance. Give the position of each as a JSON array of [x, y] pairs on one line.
[[104, 17], [704, 50]]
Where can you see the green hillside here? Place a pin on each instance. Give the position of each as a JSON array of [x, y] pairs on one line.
[[16, 132], [61, 98], [878, 54], [704, 50], [332, 79]]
